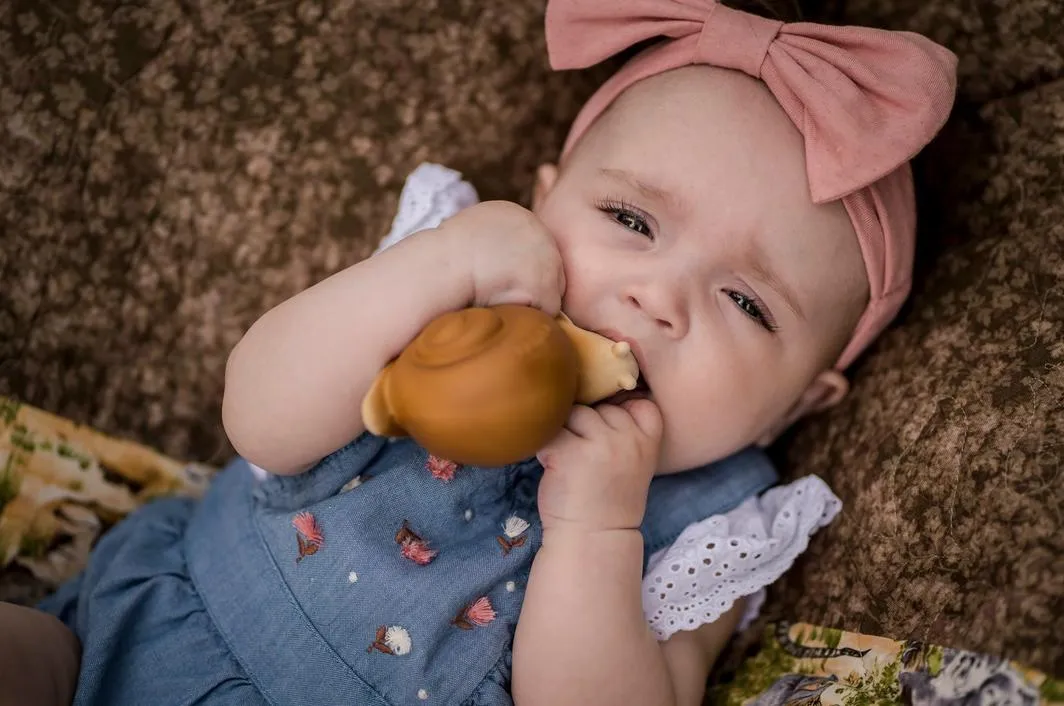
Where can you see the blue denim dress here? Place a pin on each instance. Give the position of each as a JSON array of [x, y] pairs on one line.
[[381, 576]]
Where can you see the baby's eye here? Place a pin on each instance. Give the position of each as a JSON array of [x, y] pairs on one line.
[[632, 221], [752, 308], [627, 216]]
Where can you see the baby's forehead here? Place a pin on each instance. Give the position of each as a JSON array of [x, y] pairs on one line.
[[707, 136], [703, 132], [700, 105], [717, 142]]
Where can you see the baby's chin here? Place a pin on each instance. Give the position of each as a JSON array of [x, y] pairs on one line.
[[679, 457], [676, 456]]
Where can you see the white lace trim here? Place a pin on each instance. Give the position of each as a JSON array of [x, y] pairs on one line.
[[726, 557], [431, 194]]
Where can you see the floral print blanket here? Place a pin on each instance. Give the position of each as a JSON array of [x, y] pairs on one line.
[[807, 665], [61, 486]]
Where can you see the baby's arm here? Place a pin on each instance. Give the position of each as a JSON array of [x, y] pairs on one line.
[[582, 637], [295, 381], [294, 384]]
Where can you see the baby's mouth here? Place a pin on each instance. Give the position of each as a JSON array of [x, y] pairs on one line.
[[640, 392]]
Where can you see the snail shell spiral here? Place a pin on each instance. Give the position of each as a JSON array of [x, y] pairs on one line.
[[484, 386], [457, 337]]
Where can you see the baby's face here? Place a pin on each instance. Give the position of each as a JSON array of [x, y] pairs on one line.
[[684, 221]]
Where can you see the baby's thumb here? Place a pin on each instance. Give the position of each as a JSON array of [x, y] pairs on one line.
[[551, 302], [647, 417], [549, 295], [554, 292]]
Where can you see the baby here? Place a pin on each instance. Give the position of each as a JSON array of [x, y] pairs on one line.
[[735, 203]]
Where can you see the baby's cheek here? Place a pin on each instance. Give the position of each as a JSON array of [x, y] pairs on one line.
[[689, 439], [582, 296], [706, 423]]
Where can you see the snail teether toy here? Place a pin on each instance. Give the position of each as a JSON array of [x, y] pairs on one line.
[[488, 386]]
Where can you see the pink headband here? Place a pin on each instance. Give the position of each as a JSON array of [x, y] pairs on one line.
[[865, 100]]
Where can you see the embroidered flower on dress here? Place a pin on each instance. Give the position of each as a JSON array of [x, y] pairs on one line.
[[352, 484], [309, 537], [391, 640], [514, 526], [441, 468], [413, 547], [514, 529], [476, 614], [418, 552]]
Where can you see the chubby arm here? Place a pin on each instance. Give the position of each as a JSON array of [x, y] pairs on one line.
[[294, 384], [295, 381], [582, 638]]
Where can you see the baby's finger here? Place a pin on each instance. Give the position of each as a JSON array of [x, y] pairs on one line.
[[534, 294], [550, 300], [616, 418], [647, 417], [556, 447], [550, 287], [514, 295], [584, 421]]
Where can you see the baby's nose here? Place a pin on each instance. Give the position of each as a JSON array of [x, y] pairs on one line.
[[664, 310]]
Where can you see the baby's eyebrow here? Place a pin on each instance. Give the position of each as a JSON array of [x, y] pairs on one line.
[[649, 191], [759, 266]]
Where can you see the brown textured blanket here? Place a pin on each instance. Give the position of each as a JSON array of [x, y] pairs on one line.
[[169, 169]]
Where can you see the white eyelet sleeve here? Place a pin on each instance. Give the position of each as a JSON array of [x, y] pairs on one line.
[[432, 194], [723, 558]]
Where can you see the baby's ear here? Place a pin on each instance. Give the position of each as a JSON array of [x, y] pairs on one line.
[[827, 389], [546, 176]]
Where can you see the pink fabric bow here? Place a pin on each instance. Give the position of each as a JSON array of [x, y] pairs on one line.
[[865, 100]]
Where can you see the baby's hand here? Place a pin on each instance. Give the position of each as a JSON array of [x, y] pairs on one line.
[[598, 469], [512, 257]]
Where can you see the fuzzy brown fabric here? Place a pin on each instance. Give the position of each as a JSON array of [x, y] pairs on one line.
[[948, 456], [171, 170]]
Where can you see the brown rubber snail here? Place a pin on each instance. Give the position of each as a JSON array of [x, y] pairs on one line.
[[488, 386]]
